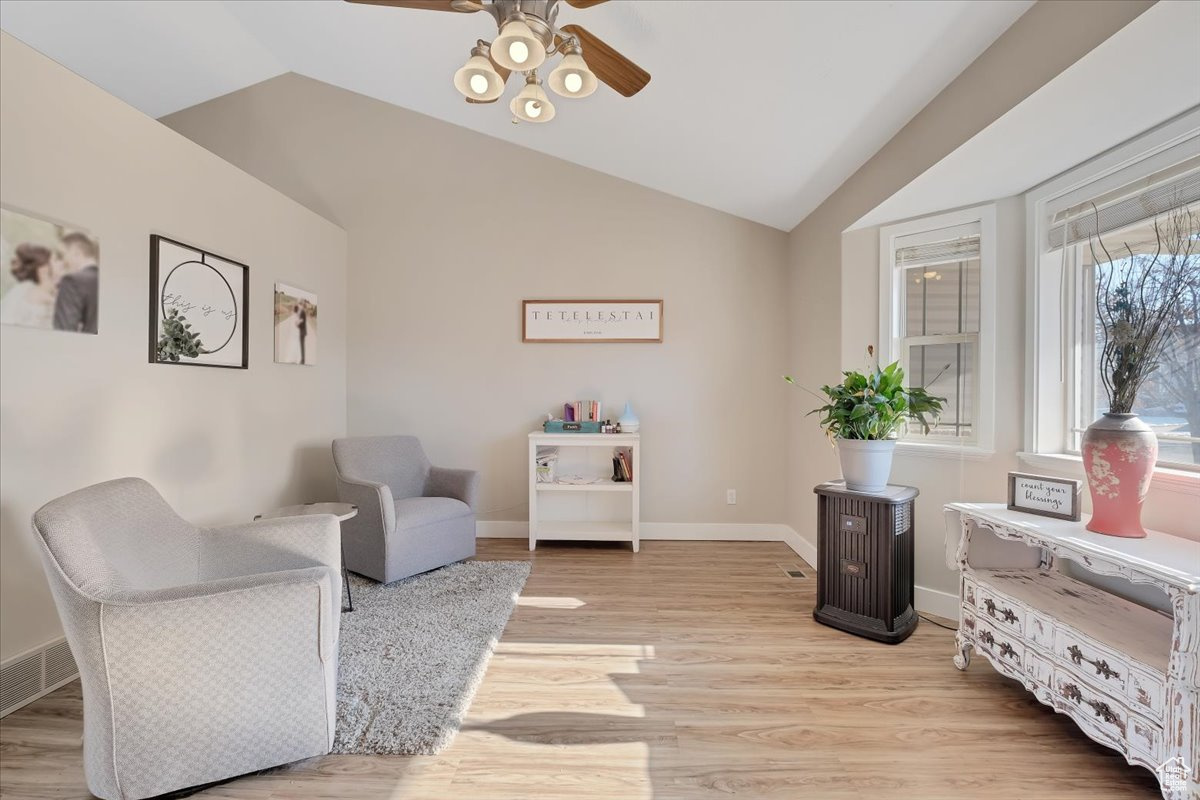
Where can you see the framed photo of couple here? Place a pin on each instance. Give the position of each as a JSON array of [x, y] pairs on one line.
[[51, 274], [295, 325]]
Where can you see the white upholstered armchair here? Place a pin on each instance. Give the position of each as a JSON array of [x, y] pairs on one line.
[[412, 516], [203, 653]]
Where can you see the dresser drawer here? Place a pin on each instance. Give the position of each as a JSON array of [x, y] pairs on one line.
[[1039, 630], [1094, 711], [1146, 738], [1146, 692], [1038, 669], [1004, 647], [970, 591], [1102, 669], [1000, 610]]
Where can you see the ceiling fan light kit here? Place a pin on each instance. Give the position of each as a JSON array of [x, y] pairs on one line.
[[527, 37]]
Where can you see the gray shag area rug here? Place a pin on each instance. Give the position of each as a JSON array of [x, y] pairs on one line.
[[413, 652]]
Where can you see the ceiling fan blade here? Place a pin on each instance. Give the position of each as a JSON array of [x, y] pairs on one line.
[[610, 66], [503, 72], [460, 6], [584, 3]]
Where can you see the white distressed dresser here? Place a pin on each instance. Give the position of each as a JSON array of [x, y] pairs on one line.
[[1127, 675]]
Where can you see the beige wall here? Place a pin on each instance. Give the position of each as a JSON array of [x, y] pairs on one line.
[[838, 287], [219, 444], [449, 230]]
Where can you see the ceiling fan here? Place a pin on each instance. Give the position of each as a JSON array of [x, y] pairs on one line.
[[527, 37]]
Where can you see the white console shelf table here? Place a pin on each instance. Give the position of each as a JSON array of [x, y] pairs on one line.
[[1127, 675], [540, 528]]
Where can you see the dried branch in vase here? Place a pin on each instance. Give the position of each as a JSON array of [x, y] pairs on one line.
[[1138, 299]]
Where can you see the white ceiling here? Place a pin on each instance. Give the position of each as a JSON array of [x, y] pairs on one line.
[[759, 108], [1098, 102]]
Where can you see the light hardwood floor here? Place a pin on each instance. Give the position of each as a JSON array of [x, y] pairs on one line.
[[689, 670]]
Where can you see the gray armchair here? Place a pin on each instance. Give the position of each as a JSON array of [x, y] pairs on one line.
[[203, 653], [412, 517]]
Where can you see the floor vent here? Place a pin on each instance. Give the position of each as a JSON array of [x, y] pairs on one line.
[[29, 676], [793, 571]]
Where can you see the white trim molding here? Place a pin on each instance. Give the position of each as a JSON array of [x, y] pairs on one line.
[[891, 321], [676, 531]]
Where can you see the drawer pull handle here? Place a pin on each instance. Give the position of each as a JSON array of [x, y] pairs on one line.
[[1006, 649], [987, 638], [1102, 667], [1104, 711], [1006, 614]]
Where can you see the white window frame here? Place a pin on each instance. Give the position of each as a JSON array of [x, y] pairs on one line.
[[891, 324], [1054, 321]]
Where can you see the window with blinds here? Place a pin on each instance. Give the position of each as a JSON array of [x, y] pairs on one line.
[[1123, 219], [938, 277]]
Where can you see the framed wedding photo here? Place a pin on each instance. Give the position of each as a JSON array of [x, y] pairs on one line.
[[608, 321], [198, 304], [295, 325], [52, 275]]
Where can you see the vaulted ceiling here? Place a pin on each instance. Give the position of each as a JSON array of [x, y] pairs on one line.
[[759, 108]]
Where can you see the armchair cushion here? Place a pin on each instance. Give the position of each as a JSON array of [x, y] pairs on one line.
[[414, 512]]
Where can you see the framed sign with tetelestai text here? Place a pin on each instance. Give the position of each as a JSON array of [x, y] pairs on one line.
[[1049, 497], [592, 321]]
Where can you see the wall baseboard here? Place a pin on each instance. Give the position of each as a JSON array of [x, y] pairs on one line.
[[936, 602], [932, 601], [673, 531], [35, 673]]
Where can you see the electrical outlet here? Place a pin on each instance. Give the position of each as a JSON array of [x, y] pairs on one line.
[[731, 497]]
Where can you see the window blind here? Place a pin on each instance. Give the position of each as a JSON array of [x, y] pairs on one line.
[[1082, 221], [931, 254]]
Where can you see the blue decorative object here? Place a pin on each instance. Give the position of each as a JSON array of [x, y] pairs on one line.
[[629, 421]]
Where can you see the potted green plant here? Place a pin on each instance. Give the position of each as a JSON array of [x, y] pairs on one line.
[[863, 417]]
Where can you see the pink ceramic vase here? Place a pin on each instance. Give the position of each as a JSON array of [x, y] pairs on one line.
[[1119, 451]]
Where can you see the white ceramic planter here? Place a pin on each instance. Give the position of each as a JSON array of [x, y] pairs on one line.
[[866, 463]]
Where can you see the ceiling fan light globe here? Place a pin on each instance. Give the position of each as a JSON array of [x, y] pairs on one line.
[[478, 72], [516, 41], [532, 105], [572, 78]]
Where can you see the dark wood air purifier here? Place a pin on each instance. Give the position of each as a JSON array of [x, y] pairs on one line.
[[865, 561]]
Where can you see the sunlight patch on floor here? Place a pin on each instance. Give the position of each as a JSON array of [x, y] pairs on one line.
[[550, 602]]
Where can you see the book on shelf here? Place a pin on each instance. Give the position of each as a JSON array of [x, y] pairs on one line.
[[582, 411], [623, 463]]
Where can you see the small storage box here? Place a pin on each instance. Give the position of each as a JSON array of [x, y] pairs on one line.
[[558, 426]]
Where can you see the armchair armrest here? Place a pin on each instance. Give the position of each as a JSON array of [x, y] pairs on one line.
[[460, 484], [376, 508], [270, 545], [253, 600]]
